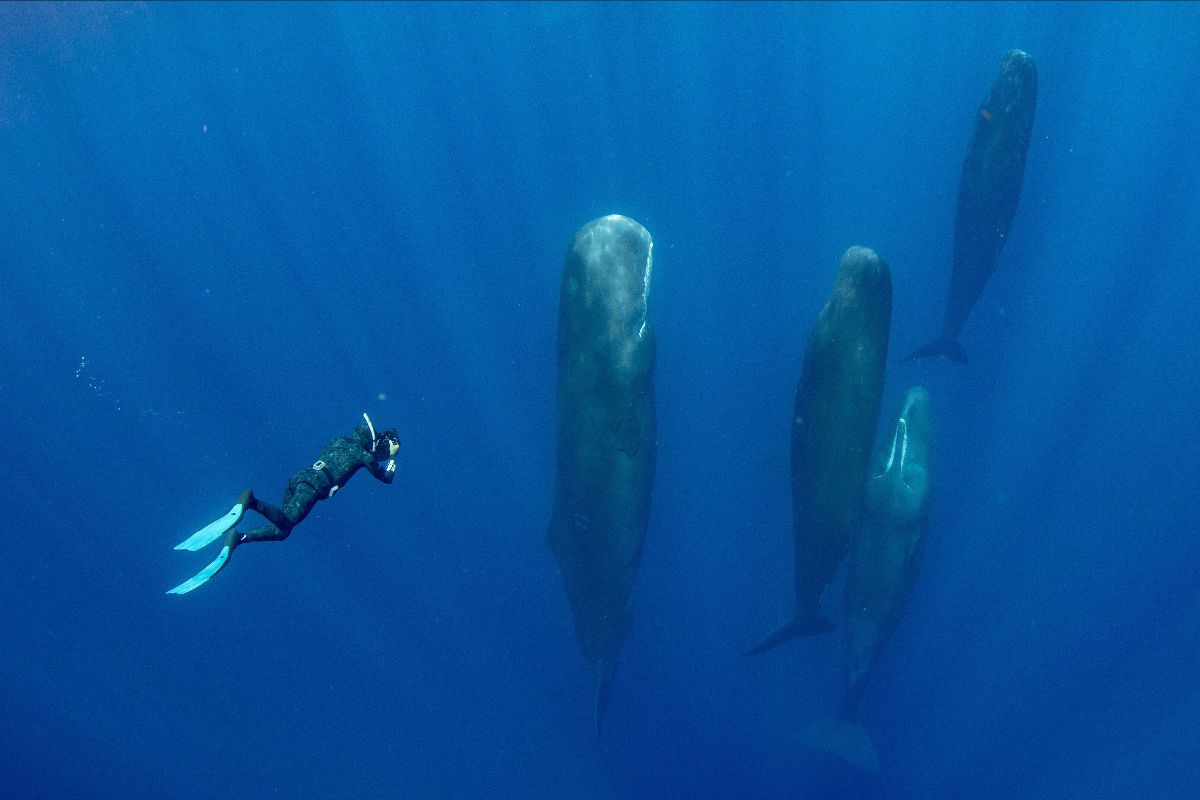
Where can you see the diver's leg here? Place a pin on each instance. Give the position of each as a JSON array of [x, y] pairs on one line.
[[298, 502], [266, 533], [299, 499], [277, 516], [274, 514]]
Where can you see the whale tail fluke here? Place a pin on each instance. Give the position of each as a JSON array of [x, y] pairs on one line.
[[604, 678], [844, 740], [945, 347], [802, 623]]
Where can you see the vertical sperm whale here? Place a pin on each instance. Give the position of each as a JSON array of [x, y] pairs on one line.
[[606, 434], [988, 192], [833, 428], [890, 542]]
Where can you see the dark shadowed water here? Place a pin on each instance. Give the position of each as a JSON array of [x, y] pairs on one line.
[[227, 230]]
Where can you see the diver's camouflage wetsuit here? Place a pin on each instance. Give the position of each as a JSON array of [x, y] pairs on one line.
[[340, 459]]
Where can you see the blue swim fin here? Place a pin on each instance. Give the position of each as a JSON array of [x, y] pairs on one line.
[[203, 575], [217, 528]]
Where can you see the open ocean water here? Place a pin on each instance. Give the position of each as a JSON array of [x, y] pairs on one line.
[[227, 230]]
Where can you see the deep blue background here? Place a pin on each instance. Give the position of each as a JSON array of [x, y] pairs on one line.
[[225, 231]]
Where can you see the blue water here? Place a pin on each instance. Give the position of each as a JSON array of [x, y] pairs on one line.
[[227, 230]]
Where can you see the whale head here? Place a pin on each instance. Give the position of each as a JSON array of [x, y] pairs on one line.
[[612, 261], [863, 286], [606, 293], [1013, 95]]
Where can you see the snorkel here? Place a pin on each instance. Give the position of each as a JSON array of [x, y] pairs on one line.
[[371, 427], [381, 443]]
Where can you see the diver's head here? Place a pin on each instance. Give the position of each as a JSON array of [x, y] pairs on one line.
[[387, 444]]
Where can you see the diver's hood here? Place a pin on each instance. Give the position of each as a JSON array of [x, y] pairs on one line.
[[362, 434]]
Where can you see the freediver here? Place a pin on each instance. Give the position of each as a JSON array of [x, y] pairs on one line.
[[340, 459]]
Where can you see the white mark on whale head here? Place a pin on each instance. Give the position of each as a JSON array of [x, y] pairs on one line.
[[646, 287], [899, 439], [627, 292]]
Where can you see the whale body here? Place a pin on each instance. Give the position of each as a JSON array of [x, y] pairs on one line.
[[833, 428], [887, 550], [988, 192], [606, 434]]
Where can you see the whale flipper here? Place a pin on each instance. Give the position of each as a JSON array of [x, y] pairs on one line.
[[844, 740], [802, 623], [944, 347], [604, 680]]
